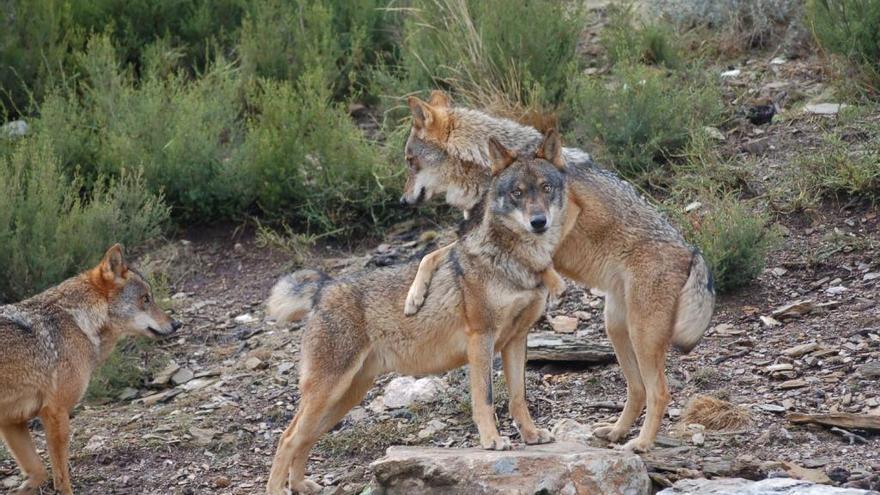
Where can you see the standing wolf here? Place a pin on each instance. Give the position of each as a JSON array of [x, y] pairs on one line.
[[49, 346], [489, 289], [658, 289]]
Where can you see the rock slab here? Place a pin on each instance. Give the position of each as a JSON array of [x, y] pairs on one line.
[[769, 486], [564, 468]]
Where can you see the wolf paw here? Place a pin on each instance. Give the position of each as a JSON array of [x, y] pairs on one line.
[[608, 432], [498, 443], [306, 487], [638, 445], [541, 435], [414, 299]]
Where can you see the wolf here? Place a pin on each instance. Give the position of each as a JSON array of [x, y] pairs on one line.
[[49, 346], [658, 289], [488, 290]]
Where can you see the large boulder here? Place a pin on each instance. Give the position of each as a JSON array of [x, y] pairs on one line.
[[769, 486], [563, 468]]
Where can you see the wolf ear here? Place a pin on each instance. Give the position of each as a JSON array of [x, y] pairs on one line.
[[439, 98], [551, 149], [113, 265], [423, 114], [499, 156]]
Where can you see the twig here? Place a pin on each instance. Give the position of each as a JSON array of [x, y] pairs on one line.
[[614, 406], [852, 437], [721, 359]]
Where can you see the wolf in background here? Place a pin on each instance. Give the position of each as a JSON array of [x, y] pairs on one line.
[[49, 346], [658, 289], [488, 290]]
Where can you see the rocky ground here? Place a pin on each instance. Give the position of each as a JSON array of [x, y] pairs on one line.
[[805, 337]]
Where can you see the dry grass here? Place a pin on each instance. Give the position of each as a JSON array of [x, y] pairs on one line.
[[714, 414]]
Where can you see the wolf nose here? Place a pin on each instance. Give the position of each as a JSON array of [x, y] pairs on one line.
[[175, 325], [539, 222]]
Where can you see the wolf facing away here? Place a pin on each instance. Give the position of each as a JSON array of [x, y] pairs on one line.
[[488, 290], [659, 290], [49, 346]]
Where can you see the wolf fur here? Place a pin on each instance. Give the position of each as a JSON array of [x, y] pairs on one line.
[[488, 290], [49, 346], [659, 290]]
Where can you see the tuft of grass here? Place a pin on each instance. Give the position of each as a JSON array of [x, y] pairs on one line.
[[850, 28], [365, 439], [734, 240], [49, 231], [643, 118], [493, 53], [715, 414]]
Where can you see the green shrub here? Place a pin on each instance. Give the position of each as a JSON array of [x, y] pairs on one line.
[[312, 164], [631, 42], [641, 119], [32, 47], [48, 232], [520, 52], [734, 240], [850, 28], [182, 133]]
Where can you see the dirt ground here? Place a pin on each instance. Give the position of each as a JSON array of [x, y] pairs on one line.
[[217, 432]]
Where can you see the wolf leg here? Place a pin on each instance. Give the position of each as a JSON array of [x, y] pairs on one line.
[[419, 287], [350, 398], [480, 352], [618, 334], [513, 357], [554, 283], [21, 445], [57, 424]]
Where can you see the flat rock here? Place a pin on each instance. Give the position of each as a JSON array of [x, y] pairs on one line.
[[824, 108], [164, 376], [562, 467], [769, 486], [550, 346], [406, 390], [800, 350], [564, 324], [182, 376]]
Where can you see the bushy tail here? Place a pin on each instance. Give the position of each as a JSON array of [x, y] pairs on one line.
[[695, 305], [294, 295]]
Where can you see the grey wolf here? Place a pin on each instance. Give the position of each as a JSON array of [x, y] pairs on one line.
[[49, 346], [488, 290], [659, 290]]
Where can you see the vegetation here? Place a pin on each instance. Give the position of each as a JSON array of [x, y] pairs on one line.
[[849, 28], [49, 232]]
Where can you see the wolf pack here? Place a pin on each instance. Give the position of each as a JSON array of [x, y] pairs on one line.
[[534, 212]]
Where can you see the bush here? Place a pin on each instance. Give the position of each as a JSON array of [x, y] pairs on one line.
[[630, 42], [519, 52], [312, 164], [181, 133], [850, 28], [131, 361], [49, 233], [749, 23], [642, 119], [734, 240]]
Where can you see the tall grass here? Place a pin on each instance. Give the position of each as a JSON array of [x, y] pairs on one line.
[[850, 28]]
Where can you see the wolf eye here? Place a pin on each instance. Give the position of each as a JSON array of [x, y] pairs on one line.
[[516, 193], [548, 188]]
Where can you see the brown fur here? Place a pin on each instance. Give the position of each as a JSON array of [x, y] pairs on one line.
[[658, 289], [49, 346], [487, 290]]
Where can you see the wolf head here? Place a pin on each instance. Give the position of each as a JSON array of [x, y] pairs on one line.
[[528, 192], [430, 169], [131, 307]]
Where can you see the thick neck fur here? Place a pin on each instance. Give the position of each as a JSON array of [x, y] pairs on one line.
[[86, 304], [469, 130], [517, 255]]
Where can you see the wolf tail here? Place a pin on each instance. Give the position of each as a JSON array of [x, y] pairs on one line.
[[696, 301], [294, 295]]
